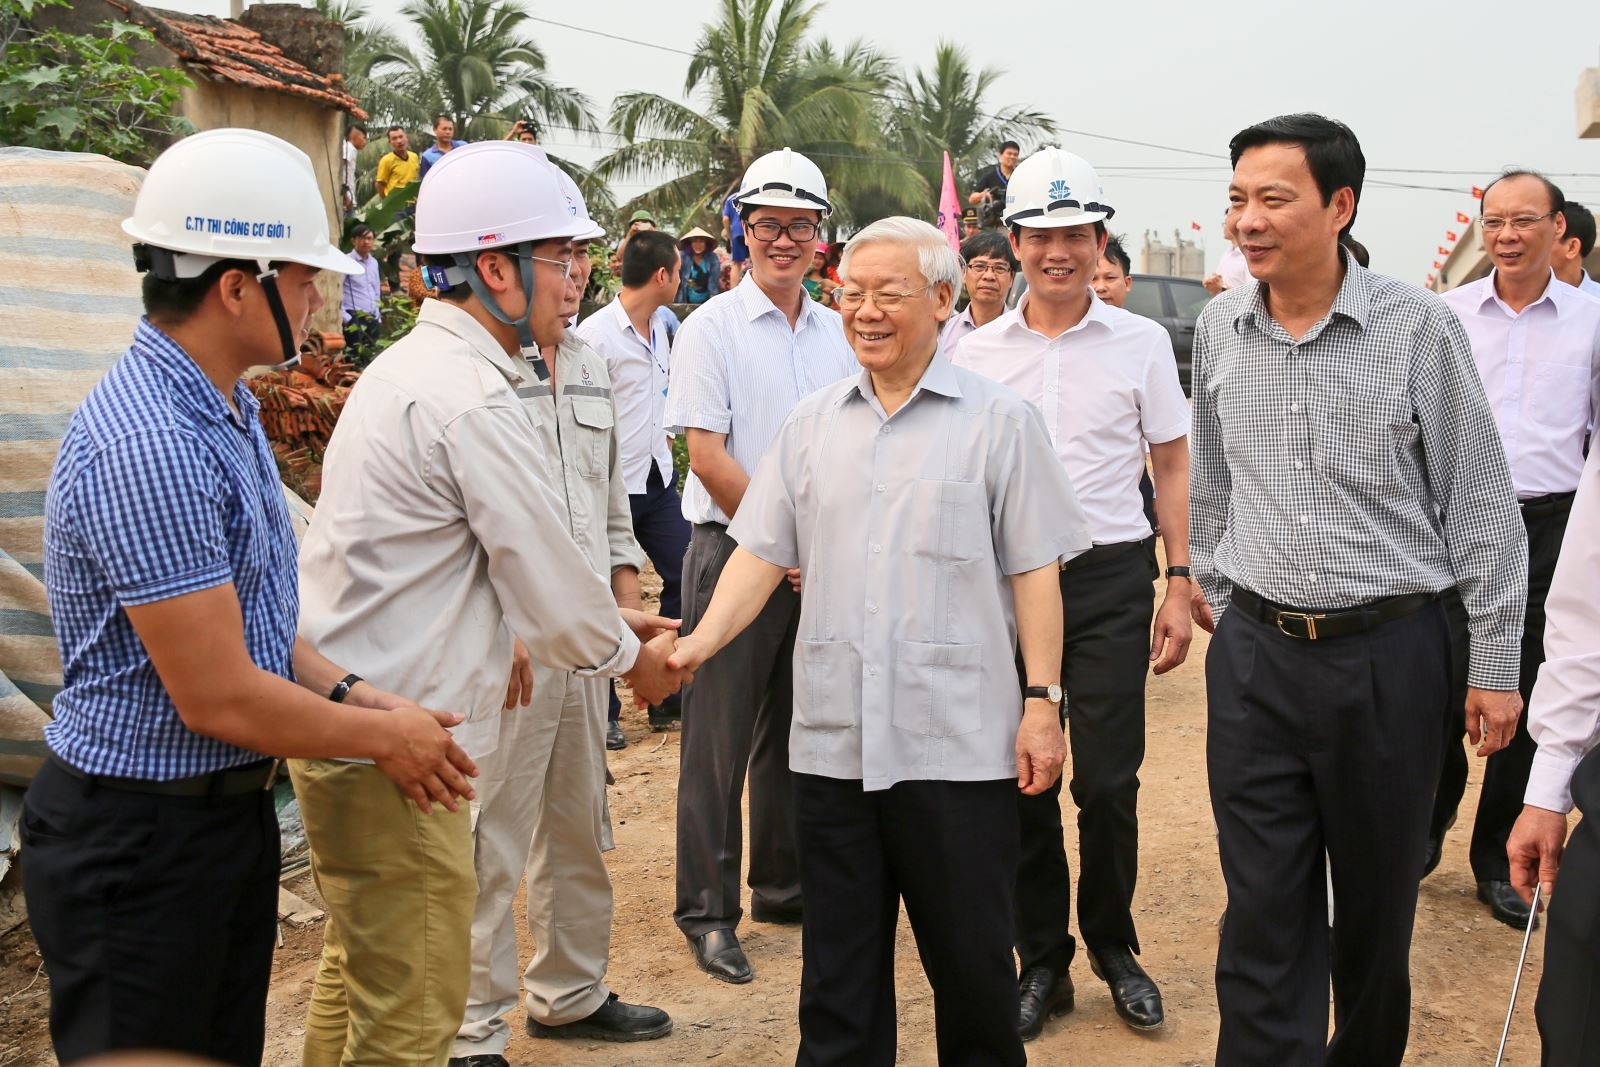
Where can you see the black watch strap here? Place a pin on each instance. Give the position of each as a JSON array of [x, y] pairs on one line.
[[342, 690], [1179, 572]]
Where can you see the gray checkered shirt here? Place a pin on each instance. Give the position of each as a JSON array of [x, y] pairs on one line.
[[1357, 463]]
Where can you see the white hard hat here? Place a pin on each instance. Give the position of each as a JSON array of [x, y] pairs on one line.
[[1055, 188], [577, 208], [488, 194], [784, 178], [232, 194]]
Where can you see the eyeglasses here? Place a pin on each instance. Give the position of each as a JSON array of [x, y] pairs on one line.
[[767, 230], [851, 299], [564, 264], [1494, 223], [999, 270]]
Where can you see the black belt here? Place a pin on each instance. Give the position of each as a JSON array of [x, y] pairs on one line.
[[1320, 625], [251, 778], [1101, 554], [1542, 507]]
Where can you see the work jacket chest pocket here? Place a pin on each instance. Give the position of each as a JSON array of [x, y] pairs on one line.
[[596, 421]]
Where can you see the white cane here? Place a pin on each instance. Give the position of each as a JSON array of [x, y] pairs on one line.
[[1533, 915]]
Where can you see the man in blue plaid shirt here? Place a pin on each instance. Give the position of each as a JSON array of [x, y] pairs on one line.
[[151, 839]]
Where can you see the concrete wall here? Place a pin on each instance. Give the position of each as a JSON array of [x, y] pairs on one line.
[[315, 130]]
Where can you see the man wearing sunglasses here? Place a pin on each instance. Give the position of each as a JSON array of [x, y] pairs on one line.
[[1536, 341], [739, 365]]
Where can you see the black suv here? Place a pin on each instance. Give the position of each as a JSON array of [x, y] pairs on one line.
[[1175, 303]]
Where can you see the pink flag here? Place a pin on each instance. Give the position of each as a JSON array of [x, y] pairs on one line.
[[949, 211]]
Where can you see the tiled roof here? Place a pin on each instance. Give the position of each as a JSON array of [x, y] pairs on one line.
[[226, 51]]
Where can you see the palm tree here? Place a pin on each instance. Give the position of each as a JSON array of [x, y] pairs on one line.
[[364, 44], [477, 64], [766, 87], [942, 108]]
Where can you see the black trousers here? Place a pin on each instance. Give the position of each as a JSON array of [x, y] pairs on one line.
[[1105, 657], [947, 850], [1505, 774], [1568, 1008], [155, 916], [736, 715], [1313, 746]]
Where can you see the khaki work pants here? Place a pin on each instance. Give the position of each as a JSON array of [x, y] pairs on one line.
[[399, 890], [540, 811]]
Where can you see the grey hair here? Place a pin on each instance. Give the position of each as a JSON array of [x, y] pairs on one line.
[[935, 258]]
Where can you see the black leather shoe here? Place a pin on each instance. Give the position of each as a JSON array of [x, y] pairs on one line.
[[718, 954], [1505, 904], [762, 913], [487, 1059], [664, 718], [615, 738], [611, 1021], [1436, 848], [1043, 995], [1133, 992]]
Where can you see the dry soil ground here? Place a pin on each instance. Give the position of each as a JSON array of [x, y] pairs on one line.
[[1463, 962]]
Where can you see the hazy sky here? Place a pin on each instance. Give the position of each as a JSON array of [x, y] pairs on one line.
[[1460, 89]]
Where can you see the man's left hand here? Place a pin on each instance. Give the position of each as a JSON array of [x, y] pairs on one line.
[[519, 690], [793, 574], [648, 627], [1041, 748], [1492, 718], [1169, 639]]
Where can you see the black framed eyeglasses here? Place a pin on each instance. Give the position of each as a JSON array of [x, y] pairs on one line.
[[768, 231]]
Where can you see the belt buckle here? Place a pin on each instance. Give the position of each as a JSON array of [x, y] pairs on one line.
[[1309, 618]]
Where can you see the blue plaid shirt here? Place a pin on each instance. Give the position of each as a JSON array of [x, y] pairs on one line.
[[160, 489]]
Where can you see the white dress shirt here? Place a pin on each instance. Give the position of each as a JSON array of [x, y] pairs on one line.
[[956, 327], [1564, 709], [1234, 268], [1589, 285], [440, 532], [347, 171], [739, 369], [906, 526], [1541, 370], [639, 368], [1106, 387]]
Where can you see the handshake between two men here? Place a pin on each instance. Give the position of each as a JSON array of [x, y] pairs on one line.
[[652, 678]]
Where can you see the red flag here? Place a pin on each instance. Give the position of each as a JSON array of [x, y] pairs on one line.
[[1194, 225], [1443, 251], [1437, 265], [1477, 192], [1463, 217], [1450, 235], [1430, 279]]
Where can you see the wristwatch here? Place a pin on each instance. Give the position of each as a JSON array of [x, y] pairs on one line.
[[1051, 692], [1179, 572], [342, 690]]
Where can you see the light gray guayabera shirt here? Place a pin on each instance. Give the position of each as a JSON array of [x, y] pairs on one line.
[[905, 528]]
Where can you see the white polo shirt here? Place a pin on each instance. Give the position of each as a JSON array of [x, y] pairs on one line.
[[639, 368], [1106, 387], [1541, 370], [739, 369]]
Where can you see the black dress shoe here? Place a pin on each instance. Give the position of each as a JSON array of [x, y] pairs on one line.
[[616, 740], [611, 1021], [486, 1059], [664, 718], [718, 954], [1506, 905], [1133, 992], [1043, 995], [1436, 848], [763, 913]]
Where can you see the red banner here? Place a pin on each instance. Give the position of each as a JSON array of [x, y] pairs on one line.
[[1477, 193], [1450, 235], [1463, 217]]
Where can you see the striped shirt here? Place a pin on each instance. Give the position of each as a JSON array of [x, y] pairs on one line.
[[739, 369], [1358, 462], [160, 489]]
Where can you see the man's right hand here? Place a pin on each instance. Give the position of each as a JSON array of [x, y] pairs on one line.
[[1213, 284], [425, 761], [1534, 849], [652, 678], [1200, 611]]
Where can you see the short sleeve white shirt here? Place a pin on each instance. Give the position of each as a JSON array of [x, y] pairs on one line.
[[1106, 387], [738, 369]]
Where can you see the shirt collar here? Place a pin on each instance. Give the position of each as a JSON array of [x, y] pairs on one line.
[[446, 316], [155, 344], [757, 303], [1353, 300], [938, 377], [1556, 293], [1099, 312]]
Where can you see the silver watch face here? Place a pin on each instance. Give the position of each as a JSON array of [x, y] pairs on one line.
[[1055, 694]]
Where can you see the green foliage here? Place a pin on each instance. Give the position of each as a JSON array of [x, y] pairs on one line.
[[399, 315], [84, 92]]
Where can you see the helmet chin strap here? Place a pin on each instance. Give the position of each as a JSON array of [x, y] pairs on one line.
[[466, 265], [269, 284]]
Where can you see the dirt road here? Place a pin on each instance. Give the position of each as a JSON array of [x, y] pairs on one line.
[[1463, 961]]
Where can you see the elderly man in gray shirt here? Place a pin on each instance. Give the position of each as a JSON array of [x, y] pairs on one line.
[[929, 517]]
